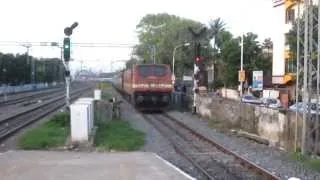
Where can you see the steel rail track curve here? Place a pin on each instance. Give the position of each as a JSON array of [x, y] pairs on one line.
[[178, 149], [245, 162]]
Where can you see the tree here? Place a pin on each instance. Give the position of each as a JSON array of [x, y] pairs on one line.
[[253, 58], [15, 69], [173, 32], [216, 27], [267, 44], [131, 62]]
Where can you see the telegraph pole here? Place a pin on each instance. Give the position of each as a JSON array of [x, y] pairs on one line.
[[318, 77], [241, 66], [32, 73]]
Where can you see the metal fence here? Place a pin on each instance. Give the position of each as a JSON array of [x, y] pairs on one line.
[[26, 87]]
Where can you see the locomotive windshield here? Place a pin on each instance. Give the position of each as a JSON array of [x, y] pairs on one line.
[[156, 70]]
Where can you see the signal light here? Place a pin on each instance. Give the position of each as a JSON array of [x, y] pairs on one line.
[[66, 48], [198, 60]]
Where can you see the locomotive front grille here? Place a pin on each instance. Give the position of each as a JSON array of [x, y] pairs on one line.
[[152, 98]]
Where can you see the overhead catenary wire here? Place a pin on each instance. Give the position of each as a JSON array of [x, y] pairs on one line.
[[77, 44]]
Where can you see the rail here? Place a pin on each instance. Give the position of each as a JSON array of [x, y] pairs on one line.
[[245, 162], [17, 121]]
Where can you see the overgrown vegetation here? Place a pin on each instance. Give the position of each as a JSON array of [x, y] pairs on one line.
[[313, 163], [106, 89], [105, 95], [118, 135], [50, 134], [174, 31]]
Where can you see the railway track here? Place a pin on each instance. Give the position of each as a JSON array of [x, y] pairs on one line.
[[210, 158], [19, 120], [16, 99]]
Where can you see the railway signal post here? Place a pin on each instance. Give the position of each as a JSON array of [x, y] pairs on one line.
[[66, 57], [198, 72]]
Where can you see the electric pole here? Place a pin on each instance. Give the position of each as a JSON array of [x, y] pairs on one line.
[[297, 77], [305, 80], [241, 66], [32, 65], [318, 77]]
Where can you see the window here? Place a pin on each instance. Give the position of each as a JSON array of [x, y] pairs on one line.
[[152, 70], [272, 101], [291, 66], [290, 16], [143, 71], [159, 70]]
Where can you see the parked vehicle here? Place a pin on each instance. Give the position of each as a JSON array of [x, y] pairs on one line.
[[271, 102], [299, 107], [250, 99]]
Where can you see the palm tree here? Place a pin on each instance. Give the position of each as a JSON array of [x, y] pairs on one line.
[[216, 26]]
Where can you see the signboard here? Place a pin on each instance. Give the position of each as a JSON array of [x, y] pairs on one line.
[[187, 78], [277, 80], [242, 76], [257, 80]]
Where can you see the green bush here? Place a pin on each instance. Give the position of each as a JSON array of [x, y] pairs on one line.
[[61, 119], [118, 135], [50, 134]]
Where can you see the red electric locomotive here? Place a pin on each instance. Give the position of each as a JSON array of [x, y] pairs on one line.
[[148, 86]]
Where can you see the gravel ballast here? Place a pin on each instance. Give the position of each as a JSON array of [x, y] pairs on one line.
[[271, 159]]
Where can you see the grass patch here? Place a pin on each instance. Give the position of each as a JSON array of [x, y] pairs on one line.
[[50, 134], [118, 135], [103, 85], [106, 95], [312, 163]]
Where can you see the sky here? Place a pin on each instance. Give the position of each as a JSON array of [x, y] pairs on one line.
[[114, 21]]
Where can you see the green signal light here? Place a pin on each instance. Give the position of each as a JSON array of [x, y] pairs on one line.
[[66, 49]]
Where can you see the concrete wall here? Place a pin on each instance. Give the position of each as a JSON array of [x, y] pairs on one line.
[[230, 93], [276, 126]]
